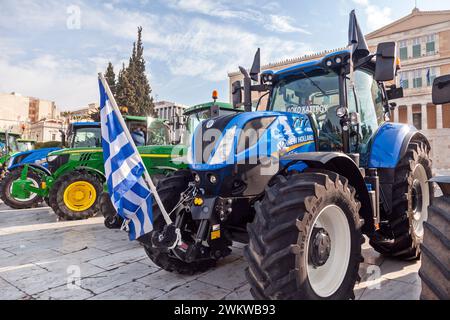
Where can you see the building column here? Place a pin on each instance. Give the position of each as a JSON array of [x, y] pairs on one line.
[[439, 124], [396, 116], [409, 114], [424, 117]]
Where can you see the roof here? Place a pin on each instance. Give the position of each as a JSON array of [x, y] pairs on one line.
[[135, 118], [313, 63], [86, 124], [222, 105], [416, 19], [307, 57]]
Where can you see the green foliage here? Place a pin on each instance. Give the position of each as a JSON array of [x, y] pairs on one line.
[[132, 89]]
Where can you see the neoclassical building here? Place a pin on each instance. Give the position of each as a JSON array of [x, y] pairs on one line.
[[423, 41]]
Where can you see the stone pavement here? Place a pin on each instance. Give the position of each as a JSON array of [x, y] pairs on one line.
[[44, 259]]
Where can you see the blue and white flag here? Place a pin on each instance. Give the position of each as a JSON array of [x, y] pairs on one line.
[[124, 171]]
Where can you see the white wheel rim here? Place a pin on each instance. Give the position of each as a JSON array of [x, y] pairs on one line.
[[326, 279], [32, 195], [420, 214]]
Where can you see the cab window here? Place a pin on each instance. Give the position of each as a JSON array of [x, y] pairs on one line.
[[87, 137]]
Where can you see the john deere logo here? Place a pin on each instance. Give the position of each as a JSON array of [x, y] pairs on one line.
[[209, 124]]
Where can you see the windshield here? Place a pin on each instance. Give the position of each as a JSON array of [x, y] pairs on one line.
[[86, 137], [158, 134], [25, 146], [314, 93]]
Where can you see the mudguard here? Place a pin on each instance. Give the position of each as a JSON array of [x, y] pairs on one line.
[[343, 165], [390, 144]]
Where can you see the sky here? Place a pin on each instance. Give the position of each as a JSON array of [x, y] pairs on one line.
[[54, 49]]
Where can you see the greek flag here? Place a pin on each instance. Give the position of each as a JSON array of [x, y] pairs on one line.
[[124, 169]]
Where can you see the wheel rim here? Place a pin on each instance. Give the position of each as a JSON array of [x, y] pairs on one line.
[[32, 194], [79, 196], [327, 266], [420, 199]]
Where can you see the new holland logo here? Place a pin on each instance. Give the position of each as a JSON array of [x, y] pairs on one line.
[[209, 124]]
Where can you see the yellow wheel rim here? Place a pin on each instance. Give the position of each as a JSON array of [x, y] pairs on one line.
[[79, 196]]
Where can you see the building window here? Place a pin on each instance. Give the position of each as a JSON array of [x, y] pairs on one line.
[[417, 80], [417, 120], [431, 46], [417, 49], [53, 137], [403, 51], [404, 80], [431, 75]]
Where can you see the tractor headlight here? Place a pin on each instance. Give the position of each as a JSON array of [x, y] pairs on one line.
[[225, 147], [40, 161], [52, 158]]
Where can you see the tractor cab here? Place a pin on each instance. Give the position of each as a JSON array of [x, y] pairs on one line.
[[8, 142], [82, 135], [26, 145], [195, 115], [147, 130]]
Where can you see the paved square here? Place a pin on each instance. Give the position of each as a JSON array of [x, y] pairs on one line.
[[41, 258]]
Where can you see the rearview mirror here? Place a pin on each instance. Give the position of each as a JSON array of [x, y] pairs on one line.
[[441, 90], [236, 91], [385, 68], [394, 93]]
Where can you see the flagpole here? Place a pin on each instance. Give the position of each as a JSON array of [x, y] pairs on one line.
[[147, 177]]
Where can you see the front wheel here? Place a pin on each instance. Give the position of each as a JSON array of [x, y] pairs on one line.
[[305, 240], [75, 195], [411, 196], [6, 190]]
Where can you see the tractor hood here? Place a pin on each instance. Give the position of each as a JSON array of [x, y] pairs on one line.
[[249, 137]]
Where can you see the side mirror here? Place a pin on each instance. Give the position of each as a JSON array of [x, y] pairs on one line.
[[441, 90], [394, 93], [236, 91], [385, 68]]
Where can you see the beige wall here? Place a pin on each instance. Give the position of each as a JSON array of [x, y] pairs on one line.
[[13, 111]]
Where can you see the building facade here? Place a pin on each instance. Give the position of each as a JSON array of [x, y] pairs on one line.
[[45, 130], [423, 43], [21, 114], [166, 110]]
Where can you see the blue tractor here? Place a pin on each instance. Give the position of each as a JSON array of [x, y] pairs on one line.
[[79, 134], [303, 181]]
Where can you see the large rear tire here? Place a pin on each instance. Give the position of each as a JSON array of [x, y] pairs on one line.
[[74, 196], [305, 240], [169, 190], [6, 189], [411, 197], [435, 270]]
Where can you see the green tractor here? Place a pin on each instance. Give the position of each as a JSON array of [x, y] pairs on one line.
[[73, 180]]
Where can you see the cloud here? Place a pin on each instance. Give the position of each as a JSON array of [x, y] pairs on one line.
[[377, 16], [247, 12], [284, 24], [181, 46]]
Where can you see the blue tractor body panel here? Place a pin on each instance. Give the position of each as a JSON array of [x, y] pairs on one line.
[[386, 150], [38, 156], [287, 133]]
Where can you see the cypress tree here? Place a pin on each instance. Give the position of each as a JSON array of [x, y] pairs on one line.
[[110, 77]]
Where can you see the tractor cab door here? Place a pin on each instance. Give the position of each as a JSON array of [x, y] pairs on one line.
[[367, 101]]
